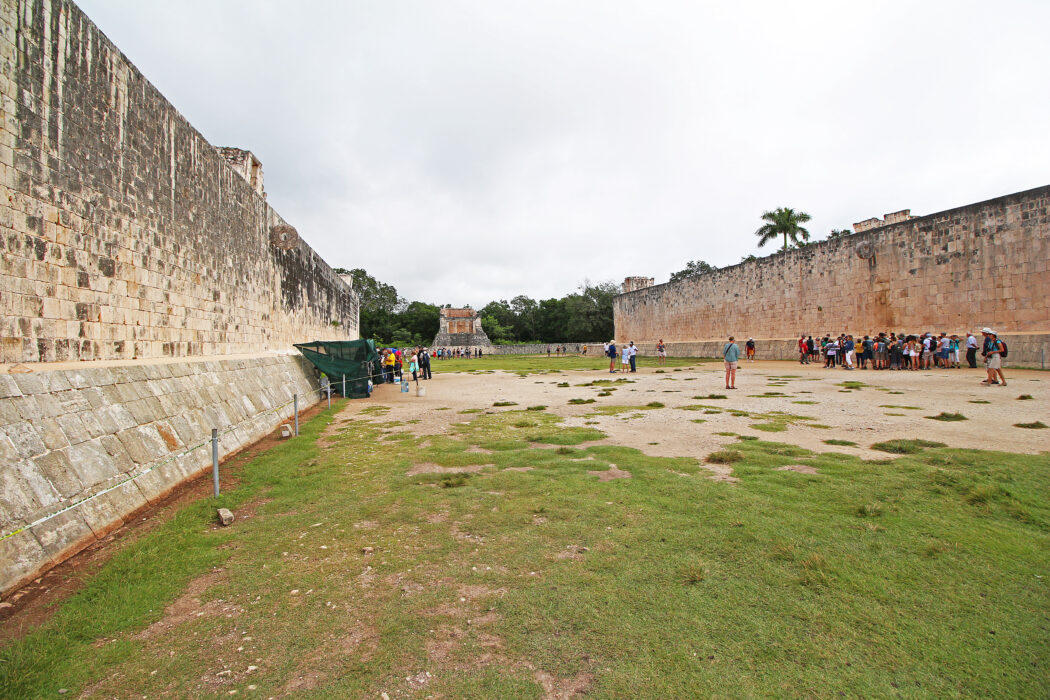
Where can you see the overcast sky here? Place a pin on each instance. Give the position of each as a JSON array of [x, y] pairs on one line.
[[471, 151]]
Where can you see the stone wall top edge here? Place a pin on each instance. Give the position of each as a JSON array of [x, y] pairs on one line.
[[78, 14], [1042, 192], [85, 365]]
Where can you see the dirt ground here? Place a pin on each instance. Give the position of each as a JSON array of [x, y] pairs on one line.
[[857, 415]]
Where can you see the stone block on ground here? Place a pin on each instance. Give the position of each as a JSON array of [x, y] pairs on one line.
[[225, 516]]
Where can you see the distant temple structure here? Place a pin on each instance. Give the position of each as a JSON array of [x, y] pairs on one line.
[[461, 328]]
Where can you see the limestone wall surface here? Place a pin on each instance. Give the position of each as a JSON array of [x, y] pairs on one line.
[[123, 232], [985, 264], [68, 434]]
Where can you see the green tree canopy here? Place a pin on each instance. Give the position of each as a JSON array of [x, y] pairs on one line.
[[693, 268], [783, 221]]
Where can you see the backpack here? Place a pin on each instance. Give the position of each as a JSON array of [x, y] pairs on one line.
[[1005, 351]]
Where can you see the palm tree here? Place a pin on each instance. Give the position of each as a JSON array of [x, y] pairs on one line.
[[783, 221]]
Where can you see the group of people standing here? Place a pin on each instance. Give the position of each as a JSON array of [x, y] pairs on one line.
[[626, 354], [896, 351], [391, 363], [462, 353]]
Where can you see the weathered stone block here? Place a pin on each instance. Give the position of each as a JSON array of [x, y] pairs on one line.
[[91, 462], [23, 557], [57, 469]]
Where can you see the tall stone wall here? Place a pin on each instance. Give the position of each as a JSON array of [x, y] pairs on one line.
[[67, 435], [123, 232], [985, 264]]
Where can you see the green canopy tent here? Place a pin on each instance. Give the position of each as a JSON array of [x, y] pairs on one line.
[[356, 360]]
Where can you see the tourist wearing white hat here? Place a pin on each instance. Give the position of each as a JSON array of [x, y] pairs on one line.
[[993, 349]]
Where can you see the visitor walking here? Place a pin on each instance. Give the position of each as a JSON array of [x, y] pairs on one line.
[[731, 355], [971, 350], [424, 364], [661, 352], [634, 352], [749, 349], [610, 352], [994, 349], [625, 359]]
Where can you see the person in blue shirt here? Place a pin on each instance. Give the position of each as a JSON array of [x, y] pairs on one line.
[[848, 346], [611, 352], [731, 355]]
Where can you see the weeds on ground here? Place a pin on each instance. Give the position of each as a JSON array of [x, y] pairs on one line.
[[502, 581], [905, 447], [1034, 425], [842, 443], [943, 416]]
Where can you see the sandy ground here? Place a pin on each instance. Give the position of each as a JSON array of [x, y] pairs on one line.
[[855, 415]]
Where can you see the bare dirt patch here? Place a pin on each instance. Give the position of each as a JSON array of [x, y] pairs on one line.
[[555, 688], [800, 468], [613, 472], [720, 472], [188, 606], [431, 468]]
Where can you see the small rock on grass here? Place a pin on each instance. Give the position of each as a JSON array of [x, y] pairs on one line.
[[225, 516]]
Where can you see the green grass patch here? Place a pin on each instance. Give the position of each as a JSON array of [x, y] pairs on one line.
[[905, 447], [1025, 397], [581, 401], [880, 578], [711, 397], [850, 384], [725, 457], [842, 443], [943, 416], [908, 408], [536, 408], [500, 404], [979, 401], [1035, 425]]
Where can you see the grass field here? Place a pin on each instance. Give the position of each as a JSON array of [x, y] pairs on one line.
[[534, 364], [527, 575]]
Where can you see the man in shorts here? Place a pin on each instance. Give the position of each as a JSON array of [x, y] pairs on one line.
[[731, 355], [661, 352]]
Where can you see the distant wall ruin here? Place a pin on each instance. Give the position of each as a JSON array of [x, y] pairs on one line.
[[985, 264], [461, 328]]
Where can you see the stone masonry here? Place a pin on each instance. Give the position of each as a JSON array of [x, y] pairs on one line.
[[68, 434], [461, 328], [985, 264], [123, 232], [126, 236]]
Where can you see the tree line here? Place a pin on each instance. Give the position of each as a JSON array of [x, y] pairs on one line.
[[583, 315], [389, 319]]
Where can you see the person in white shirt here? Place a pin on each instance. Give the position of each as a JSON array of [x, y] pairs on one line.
[[971, 350], [634, 351]]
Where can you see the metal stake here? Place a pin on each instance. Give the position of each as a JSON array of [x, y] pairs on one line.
[[344, 386], [328, 390], [295, 400], [215, 460]]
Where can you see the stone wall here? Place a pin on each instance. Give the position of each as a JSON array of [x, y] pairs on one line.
[[123, 232], [985, 264], [68, 434]]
